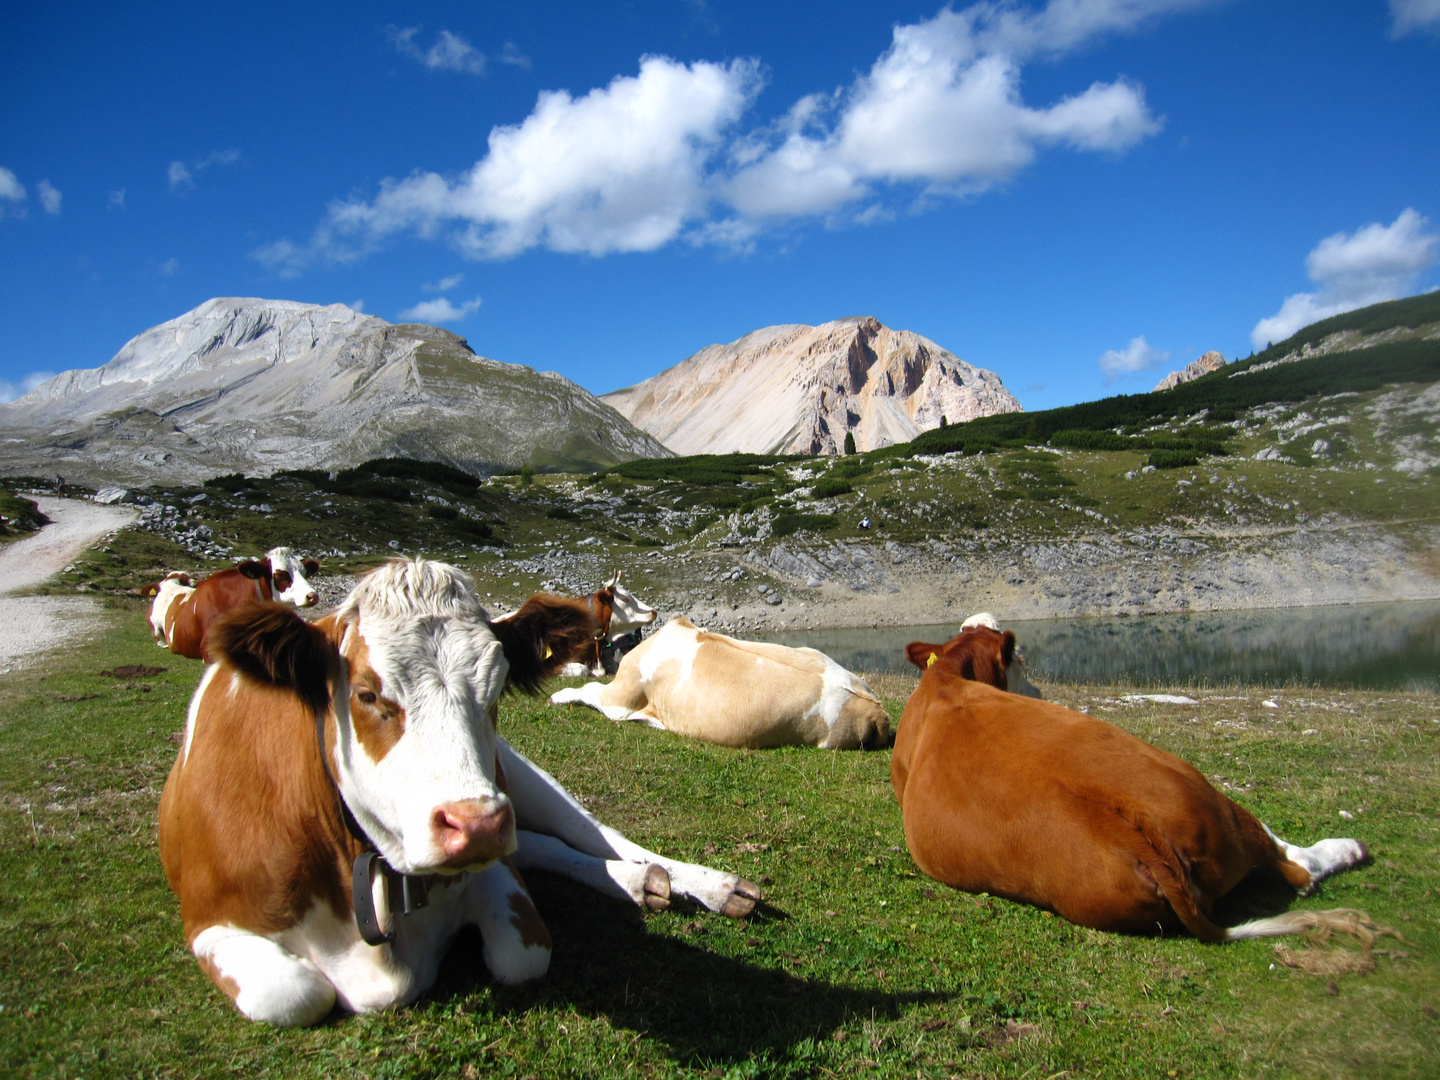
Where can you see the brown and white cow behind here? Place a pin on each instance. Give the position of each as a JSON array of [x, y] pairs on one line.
[[180, 615], [1033, 802], [382, 713], [618, 612], [738, 693]]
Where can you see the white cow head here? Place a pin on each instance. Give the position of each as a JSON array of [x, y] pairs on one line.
[[288, 577], [406, 675], [628, 611], [415, 709]]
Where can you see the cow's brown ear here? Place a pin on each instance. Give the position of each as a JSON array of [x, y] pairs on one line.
[[542, 637], [919, 654], [1007, 650], [254, 570], [269, 643], [311, 566], [150, 590]]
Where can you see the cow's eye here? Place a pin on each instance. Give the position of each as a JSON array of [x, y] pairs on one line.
[[367, 696]]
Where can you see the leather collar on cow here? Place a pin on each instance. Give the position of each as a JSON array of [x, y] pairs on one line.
[[414, 892]]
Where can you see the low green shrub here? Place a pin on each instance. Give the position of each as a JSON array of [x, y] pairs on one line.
[[787, 524]]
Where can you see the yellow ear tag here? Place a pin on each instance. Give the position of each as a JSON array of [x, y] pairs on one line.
[[549, 652], [931, 661]]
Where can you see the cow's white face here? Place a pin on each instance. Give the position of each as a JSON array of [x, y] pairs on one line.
[[175, 586], [287, 577], [629, 611], [416, 735]]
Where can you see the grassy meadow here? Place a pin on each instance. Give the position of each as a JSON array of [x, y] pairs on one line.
[[855, 965]]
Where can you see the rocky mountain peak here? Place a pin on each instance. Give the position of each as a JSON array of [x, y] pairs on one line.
[[1210, 361], [801, 389]]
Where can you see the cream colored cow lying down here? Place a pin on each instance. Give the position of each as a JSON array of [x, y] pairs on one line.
[[738, 693]]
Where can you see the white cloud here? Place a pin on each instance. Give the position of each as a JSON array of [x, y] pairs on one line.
[[440, 311], [941, 108], [1407, 15], [513, 56], [1137, 356], [10, 391], [13, 193], [49, 197], [179, 176], [169, 267], [117, 199], [444, 284], [182, 174], [1374, 263], [619, 169], [11, 189], [652, 158], [357, 305], [451, 52]]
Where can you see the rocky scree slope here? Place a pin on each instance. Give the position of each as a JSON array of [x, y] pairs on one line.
[[799, 389], [255, 386]]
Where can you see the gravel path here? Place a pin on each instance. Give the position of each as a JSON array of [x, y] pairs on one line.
[[37, 624]]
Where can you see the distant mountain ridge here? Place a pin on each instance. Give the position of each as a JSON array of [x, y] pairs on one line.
[[250, 385], [795, 389]]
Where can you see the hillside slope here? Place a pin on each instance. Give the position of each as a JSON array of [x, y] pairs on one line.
[[801, 389], [255, 386]]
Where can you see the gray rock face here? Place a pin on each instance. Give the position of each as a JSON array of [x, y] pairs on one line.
[[800, 389], [1211, 361], [246, 385]]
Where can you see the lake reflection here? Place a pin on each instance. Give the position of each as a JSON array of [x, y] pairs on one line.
[[1369, 646]]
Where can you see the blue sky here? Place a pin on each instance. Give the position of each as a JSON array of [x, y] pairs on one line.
[[1079, 196]]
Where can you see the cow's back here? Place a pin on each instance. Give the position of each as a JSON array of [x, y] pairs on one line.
[[1029, 800], [750, 694]]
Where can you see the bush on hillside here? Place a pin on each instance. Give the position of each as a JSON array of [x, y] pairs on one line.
[[786, 524]]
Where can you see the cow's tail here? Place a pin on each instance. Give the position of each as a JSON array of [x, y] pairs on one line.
[[1170, 874], [1325, 925]]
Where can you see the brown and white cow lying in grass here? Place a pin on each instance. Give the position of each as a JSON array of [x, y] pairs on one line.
[[376, 725], [738, 693], [1036, 803], [181, 614]]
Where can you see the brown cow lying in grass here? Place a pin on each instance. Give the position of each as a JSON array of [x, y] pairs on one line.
[[1033, 802]]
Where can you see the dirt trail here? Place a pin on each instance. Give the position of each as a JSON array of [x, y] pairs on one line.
[[36, 624]]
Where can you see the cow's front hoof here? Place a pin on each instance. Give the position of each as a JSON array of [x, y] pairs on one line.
[[742, 901], [657, 888]]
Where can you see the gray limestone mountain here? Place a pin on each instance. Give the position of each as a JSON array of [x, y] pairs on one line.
[[254, 386], [1211, 361], [800, 389]]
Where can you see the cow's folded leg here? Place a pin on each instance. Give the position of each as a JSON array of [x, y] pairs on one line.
[[265, 980], [1324, 858], [542, 805], [646, 884], [517, 944]]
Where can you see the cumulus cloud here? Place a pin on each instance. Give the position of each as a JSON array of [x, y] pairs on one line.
[[619, 169], [49, 197], [655, 157], [941, 109], [1408, 15], [9, 391], [182, 174], [1137, 356], [1374, 263], [440, 310]]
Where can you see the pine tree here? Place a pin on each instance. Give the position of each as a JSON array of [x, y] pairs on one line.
[[849, 443]]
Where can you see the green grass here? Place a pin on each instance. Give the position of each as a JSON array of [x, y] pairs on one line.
[[856, 965]]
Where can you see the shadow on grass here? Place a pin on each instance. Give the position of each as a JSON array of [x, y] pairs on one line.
[[705, 1007]]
